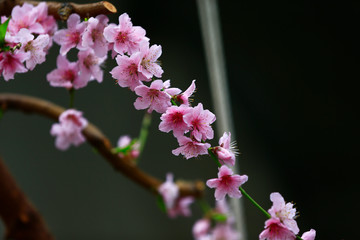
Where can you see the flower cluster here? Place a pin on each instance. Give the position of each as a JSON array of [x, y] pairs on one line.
[[87, 37], [282, 224], [69, 129], [28, 37], [27, 40], [175, 205]]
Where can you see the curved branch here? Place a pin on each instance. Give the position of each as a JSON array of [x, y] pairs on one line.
[[99, 141], [63, 10], [22, 220]]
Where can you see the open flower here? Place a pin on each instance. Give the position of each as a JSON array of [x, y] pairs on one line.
[[68, 130], [126, 37], [283, 211], [72, 36], [199, 120], [190, 148], [127, 73], [152, 97], [226, 183], [275, 230], [169, 191], [173, 119]]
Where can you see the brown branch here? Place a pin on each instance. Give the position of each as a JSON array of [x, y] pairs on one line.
[[100, 142], [63, 10], [21, 219]]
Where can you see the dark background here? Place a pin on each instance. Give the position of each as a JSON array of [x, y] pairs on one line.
[[292, 68]]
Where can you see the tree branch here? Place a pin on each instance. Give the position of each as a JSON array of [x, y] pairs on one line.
[[100, 142], [21, 219], [63, 10]]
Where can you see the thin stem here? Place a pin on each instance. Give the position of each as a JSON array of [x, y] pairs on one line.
[[214, 157], [72, 96], [144, 131], [254, 202], [1, 113]]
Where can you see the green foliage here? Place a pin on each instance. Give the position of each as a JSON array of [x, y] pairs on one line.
[[218, 217], [161, 204], [3, 28]]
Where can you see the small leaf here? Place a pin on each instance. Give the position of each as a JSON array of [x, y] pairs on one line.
[[218, 217], [3, 28], [161, 204]]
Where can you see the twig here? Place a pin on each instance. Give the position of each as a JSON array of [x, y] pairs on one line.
[[63, 10], [97, 139], [21, 219]]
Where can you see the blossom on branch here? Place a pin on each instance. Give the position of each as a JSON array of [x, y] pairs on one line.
[[126, 38], [284, 212], [72, 36], [154, 97], [225, 152], [93, 36], [190, 148], [173, 119], [227, 183], [199, 120], [149, 65], [68, 130], [275, 230], [66, 75], [127, 73]]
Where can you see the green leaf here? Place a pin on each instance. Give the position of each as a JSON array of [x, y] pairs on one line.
[[3, 28], [218, 217], [161, 204]]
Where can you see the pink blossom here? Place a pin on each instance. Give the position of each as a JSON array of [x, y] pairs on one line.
[[126, 38], [170, 91], [309, 235], [224, 231], [68, 130], [226, 183], [181, 207], [152, 97], [25, 16], [35, 48], [89, 65], [225, 152], [66, 75], [199, 120], [127, 73], [133, 152], [93, 36], [72, 36], [48, 22], [11, 63], [275, 230], [149, 64], [201, 228], [173, 120], [190, 148], [169, 191], [284, 212], [184, 97]]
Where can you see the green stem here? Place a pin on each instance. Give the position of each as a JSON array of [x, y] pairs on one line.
[[72, 95], [144, 132], [214, 157], [254, 202], [1, 113]]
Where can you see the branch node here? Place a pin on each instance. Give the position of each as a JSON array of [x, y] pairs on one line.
[[65, 10]]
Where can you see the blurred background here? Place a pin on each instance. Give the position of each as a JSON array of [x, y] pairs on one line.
[[292, 68]]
